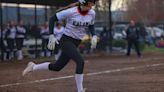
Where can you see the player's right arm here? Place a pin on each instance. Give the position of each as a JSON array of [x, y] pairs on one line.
[[59, 16], [52, 40], [52, 21]]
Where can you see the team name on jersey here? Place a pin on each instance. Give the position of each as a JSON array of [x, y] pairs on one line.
[[79, 23]]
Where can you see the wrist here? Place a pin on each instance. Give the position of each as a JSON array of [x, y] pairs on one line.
[[94, 36], [52, 35]]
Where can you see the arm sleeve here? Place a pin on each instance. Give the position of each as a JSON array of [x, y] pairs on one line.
[[92, 30], [63, 15], [59, 16], [91, 26], [52, 21]]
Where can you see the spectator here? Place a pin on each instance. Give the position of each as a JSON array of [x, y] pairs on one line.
[[133, 38], [142, 32], [104, 39], [142, 36]]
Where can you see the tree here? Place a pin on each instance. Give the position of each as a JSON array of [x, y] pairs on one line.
[[110, 24], [146, 11], [104, 15]]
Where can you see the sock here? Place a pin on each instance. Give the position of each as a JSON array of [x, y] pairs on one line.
[[79, 82], [42, 66], [19, 55], [11, 55], [5, 56]]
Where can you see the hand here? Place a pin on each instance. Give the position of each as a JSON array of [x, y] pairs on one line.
[[94, 42], [51, 43]]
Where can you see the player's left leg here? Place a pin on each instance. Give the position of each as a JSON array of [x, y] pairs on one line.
[[72, 52], [58, 55], [79, 72], [57, 51], [43, 46]]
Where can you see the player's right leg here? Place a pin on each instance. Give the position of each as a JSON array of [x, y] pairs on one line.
[[54, 66], [32, 67], [84, 90], [29, 68]]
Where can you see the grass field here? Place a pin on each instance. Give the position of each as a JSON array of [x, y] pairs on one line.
[[152, 49]]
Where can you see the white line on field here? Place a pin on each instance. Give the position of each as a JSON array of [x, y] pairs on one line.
[[88, 74]]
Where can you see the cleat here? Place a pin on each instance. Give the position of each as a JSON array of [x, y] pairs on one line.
[[29, 68]]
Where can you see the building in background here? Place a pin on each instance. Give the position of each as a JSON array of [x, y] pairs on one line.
[[25, 12]]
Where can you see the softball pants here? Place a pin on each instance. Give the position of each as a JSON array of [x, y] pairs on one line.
[[69, 51]]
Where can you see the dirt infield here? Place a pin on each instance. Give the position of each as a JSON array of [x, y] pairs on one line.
[[110, 73]]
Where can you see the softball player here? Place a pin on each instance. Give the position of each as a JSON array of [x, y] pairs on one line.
[[77, 19], [20, 36], [10, 37], [45, 37], [2, 44]]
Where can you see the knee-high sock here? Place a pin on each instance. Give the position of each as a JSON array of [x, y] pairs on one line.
[[19, 55], [4, 56], [42, 66], [79, 82], [11, 54]]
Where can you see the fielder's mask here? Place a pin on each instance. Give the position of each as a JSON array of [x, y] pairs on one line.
[[85, 2]]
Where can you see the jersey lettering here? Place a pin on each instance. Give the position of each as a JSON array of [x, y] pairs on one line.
[[79, 23]]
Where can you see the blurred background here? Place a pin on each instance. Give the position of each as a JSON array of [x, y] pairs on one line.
[[112, 20]]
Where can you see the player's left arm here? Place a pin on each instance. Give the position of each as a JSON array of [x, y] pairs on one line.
[[94, 37], [92, 29]]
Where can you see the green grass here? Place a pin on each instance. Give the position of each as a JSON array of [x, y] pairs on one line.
[[153, 48]]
